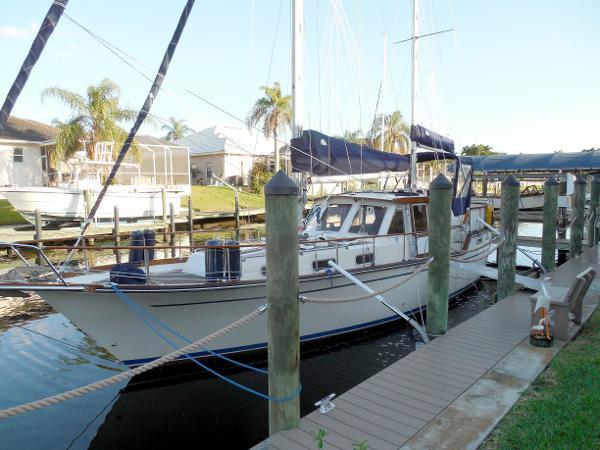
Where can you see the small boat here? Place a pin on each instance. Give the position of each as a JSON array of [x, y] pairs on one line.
[[138, 196]]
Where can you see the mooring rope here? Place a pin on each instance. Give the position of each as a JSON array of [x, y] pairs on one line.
[[38, 404], [357, 298], [472, 259]]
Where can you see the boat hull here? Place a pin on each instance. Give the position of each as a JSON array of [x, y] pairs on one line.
[[68, 205], [198, 311]]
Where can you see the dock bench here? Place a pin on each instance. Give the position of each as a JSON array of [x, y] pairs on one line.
[[566, 303]]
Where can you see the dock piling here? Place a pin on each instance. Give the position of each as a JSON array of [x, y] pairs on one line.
[[282, 296], [116, 232], [38, 234], [594, 205], [578, 208], [237, 215], [549, 227], [163, 194], [507, 253], [439, 248], [172, 230], [191, 220]]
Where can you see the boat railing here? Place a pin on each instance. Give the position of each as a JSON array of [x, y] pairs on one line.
[[14, 247]]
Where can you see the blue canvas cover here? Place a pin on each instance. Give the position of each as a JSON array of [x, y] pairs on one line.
[[541, 162], [323, 155], [423, 136]]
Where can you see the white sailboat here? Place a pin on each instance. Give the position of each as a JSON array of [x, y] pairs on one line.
[[381, 238]]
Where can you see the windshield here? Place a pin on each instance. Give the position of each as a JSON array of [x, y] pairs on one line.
[[333, 218]]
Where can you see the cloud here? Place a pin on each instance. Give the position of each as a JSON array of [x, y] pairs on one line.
[[10, 32]]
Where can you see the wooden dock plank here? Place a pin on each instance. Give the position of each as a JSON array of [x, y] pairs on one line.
[[306, 439], [420, 385], [332, 437], [375, 406], [392, 400]]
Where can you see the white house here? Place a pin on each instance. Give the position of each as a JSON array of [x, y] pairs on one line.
[[224, 151], [24, 148]]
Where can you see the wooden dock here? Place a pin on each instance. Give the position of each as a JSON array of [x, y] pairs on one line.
[[397, 405]]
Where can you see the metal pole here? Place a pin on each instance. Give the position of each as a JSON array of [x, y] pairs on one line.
[[439, 248], [172, 229], [578, 208], [282, 297], [549, 228], [38, 235], [116, 232], [594, 204], [507, 253]]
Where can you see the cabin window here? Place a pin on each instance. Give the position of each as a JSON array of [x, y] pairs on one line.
[[18, 155], [334, 217], [420, 217], [368, 220], [365, 258], [397, 224]]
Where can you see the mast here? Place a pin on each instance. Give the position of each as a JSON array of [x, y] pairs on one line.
[[382, 90], [412, 179], [297, 67]]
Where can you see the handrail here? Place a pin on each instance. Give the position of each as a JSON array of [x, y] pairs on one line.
[[39, 251]]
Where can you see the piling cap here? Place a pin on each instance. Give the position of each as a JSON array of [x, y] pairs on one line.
[[510, 181], [579, 179], [551, 181], [281, 184], [440, 182]]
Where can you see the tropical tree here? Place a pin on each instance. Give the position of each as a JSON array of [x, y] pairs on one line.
[[396, 138], [95, 118], [176, 129], [275, 112], [478, 150], [354, 137]]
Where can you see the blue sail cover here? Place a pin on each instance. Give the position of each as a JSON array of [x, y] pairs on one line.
[[423, 136], [324, 155]]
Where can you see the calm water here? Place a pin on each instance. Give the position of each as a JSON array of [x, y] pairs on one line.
[[195, 407]]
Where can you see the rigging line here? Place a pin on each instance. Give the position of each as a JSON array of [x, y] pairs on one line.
[[142, 114], [47, 27], [215, 106]]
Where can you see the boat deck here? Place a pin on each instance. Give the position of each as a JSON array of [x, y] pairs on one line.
[[413, 401]]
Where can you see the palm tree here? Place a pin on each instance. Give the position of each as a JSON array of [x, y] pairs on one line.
[[275, 111], [176, 129], [95, 118], [354, 137], [397, 134]]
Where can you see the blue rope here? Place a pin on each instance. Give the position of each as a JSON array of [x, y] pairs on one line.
[[144, 316], [141, 310]]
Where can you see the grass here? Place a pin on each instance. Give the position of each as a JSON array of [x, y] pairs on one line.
[[8, 215], [561, 409], [213, 198]]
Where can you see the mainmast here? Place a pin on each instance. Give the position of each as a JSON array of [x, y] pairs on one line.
[[297, 67], [412, 179], [382, 91]]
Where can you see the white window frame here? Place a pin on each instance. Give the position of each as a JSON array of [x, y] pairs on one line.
[[16, 150]]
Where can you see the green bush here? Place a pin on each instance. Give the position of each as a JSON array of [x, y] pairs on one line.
[[259, 176]]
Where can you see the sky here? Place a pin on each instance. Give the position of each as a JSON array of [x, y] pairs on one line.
[[521, 76]]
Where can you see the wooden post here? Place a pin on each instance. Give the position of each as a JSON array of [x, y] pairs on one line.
[[549, 229], [440, 191], [172, 229], [578, 208], [237, 215], [163, 194], [484, 187], [594, 204], [87, 202], [563, 222], [282, 296], [116, 232], [191, 221], [507, 253], [38, 235]]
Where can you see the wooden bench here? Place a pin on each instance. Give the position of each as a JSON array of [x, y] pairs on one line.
[[566, 303]]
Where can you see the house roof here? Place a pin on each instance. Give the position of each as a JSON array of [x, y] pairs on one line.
[[17, 129], [227, 139], [144, 139]]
